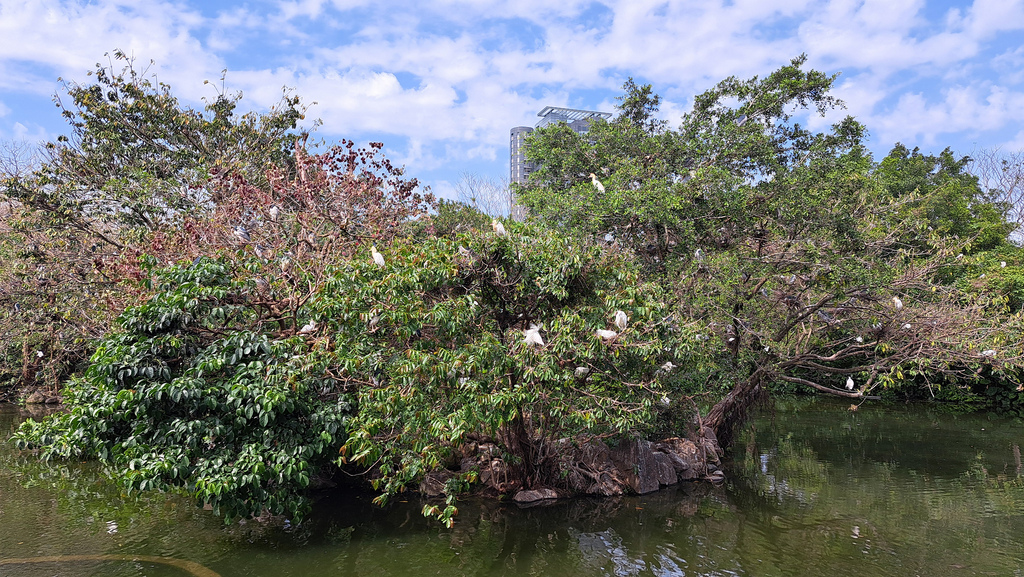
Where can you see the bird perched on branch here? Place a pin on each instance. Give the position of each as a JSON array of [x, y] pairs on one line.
[[274, 213], [896, 302], [498, 228], [377, 257], [620, 320], [597, 183], [607, 335], [308, 328], [531, 336], [849, 383]]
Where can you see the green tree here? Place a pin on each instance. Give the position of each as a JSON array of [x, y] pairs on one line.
[[786, 246], [135, 164]]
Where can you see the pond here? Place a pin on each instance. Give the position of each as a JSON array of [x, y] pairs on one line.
[[814, 489]]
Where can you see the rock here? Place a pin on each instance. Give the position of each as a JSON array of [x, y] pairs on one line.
[[434, 481], [684, 456], [666, 471], [524, 497], [52, 400], [36, 398], [635, 460]]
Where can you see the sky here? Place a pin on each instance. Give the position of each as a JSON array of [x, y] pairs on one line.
[[442, 82]]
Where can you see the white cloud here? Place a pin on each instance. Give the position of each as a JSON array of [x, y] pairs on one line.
[[447, 79]]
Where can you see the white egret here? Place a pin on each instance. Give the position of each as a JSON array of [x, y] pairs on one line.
[[896, 302], [274, 213], [607, 335], [531, 336], [308, 328], [988, 353], [859, 339], [849, 383], [39, 354], [582, 371], [377, 257], [620, 320], [907, 327], [1002, 264], [498, 228], [597, 183], [665, 401]]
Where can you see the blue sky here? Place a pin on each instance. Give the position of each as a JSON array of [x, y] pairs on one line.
[[441, 83]]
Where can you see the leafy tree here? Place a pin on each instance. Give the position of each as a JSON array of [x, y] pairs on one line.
[[785, 245], [213, 386], [135, 164], [956, 205]]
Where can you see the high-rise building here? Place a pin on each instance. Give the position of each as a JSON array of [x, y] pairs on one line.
[[578, 120]]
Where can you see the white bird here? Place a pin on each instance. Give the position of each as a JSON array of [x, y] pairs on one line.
[[665, 401], [607, 335], [531, 336], [988, 353], [582, 371], [241, 234], [308, 328], [907, 327], [849, 383], [498, 228], [667, 367], [859, 339], [377, 257], [698, 255], [959, 256], [896, 302], [1002, 264], [274, 213], [597, 183], [620, 320], [39, 354]]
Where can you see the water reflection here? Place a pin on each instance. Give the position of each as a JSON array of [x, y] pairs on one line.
[[814, 489]]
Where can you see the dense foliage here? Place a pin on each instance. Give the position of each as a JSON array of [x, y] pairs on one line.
[[392, 368], [803, 260], [296, 314], [135, 165]]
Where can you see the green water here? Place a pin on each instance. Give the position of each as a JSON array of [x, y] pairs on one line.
[[814, 489]]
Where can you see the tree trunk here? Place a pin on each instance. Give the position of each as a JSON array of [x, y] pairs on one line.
[[731, 411]]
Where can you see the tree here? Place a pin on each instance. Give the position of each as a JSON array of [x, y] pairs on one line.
[[222, 387], [490, 197], [135, 164], [787, 247], [1001, 175]]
